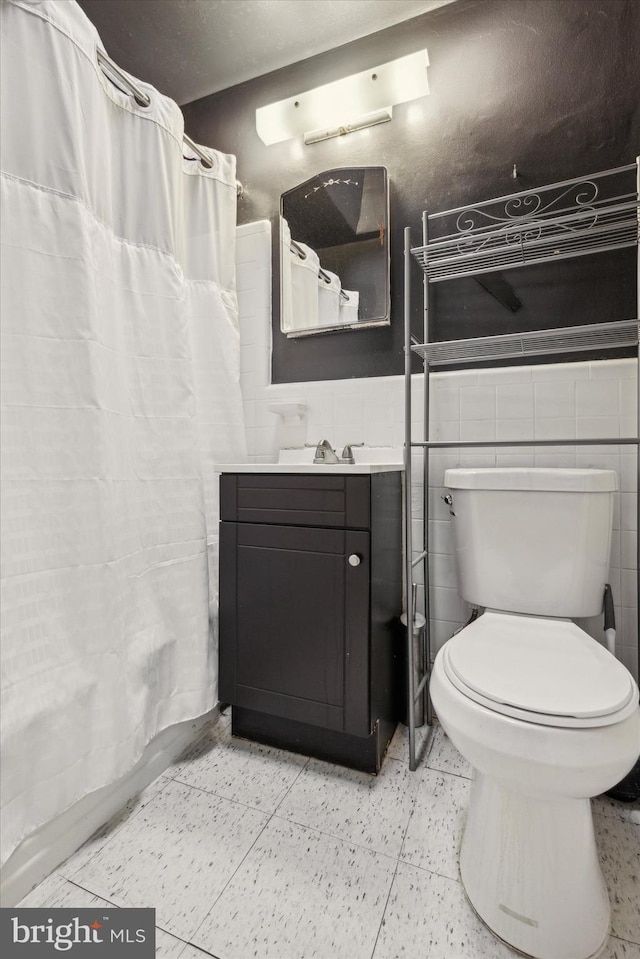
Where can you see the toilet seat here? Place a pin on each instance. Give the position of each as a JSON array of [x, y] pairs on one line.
[[543, 671]]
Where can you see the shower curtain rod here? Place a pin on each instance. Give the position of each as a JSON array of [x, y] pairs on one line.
[[143, 99], [293, 246]]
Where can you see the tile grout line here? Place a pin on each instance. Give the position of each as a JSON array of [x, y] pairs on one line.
[[157, 926], [447, 772], [260, 746], [395, 871], [92, 893], [198, 789], [384, 911], [432, 872], [209, 792], [330, 835], [199, 948], [424, 770], [186, 943], [135, 812], [249, 850], [215, 795], [229, 880], [632, 942], [415, 802], [280, 817], [304, 766]]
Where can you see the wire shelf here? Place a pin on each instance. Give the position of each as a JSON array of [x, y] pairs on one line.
[[562, 220], [570, 339], [555, 222]]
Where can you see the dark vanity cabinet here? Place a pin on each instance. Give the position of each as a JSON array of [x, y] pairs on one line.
[[310, 599]]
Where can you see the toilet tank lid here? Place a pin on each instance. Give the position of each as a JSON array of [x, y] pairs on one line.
[[525, 478]]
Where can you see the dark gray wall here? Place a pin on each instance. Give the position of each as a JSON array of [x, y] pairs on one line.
[[550, 85]]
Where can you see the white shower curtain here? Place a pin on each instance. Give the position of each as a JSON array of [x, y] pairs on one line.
[[120, 379]]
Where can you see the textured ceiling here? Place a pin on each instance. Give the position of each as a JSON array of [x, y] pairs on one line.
[[191, 48]]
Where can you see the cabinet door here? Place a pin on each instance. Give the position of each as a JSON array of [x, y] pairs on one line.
[[294, 623]]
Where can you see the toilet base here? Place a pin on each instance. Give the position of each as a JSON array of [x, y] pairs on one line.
[[544, 905]]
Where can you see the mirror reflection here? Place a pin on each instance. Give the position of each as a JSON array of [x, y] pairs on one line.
[[334, 252]]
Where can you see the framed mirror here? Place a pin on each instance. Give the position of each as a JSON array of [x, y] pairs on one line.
[[334, 252]]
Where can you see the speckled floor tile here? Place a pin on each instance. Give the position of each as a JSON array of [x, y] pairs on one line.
[[289, 891], [435, 828], [619, 849], [56, 892], [371, 811], [168, 947], [444, 756], [300, 894], [93, 845], [43, 892], [399, 745], [605, 806], [192, 952], [177, 855], [236, 769], [619, 949], [428, 916]]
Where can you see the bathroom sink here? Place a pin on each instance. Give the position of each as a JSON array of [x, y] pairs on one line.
[[368, 459]]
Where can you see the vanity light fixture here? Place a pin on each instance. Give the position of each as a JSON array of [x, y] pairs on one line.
[[344, 106]]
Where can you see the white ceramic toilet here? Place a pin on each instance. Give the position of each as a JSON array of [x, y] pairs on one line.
[[545, 714]]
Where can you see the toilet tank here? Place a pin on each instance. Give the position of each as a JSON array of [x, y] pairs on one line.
[[533, 540]]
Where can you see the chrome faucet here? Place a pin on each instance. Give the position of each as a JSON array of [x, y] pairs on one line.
[[325, 453]]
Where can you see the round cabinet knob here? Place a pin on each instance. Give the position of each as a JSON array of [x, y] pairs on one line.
[[354, 560]]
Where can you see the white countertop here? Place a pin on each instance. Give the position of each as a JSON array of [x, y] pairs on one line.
[[369, 459], [309, 468]]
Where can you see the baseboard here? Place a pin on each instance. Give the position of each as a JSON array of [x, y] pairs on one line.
[[45, 849]]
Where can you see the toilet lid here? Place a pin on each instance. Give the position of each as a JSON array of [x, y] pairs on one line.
[[549, 669]]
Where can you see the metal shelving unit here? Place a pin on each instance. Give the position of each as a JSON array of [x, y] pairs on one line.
[[572, 218]]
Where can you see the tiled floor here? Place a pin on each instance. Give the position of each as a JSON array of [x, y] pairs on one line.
[[249, 851]]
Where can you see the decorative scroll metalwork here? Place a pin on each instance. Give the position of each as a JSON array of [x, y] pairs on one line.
[[523, 206], [559, 221]]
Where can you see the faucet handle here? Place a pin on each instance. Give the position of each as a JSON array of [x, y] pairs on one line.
[[347, 453]]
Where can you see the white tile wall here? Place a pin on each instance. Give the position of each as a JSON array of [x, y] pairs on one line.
[[584, 399]]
